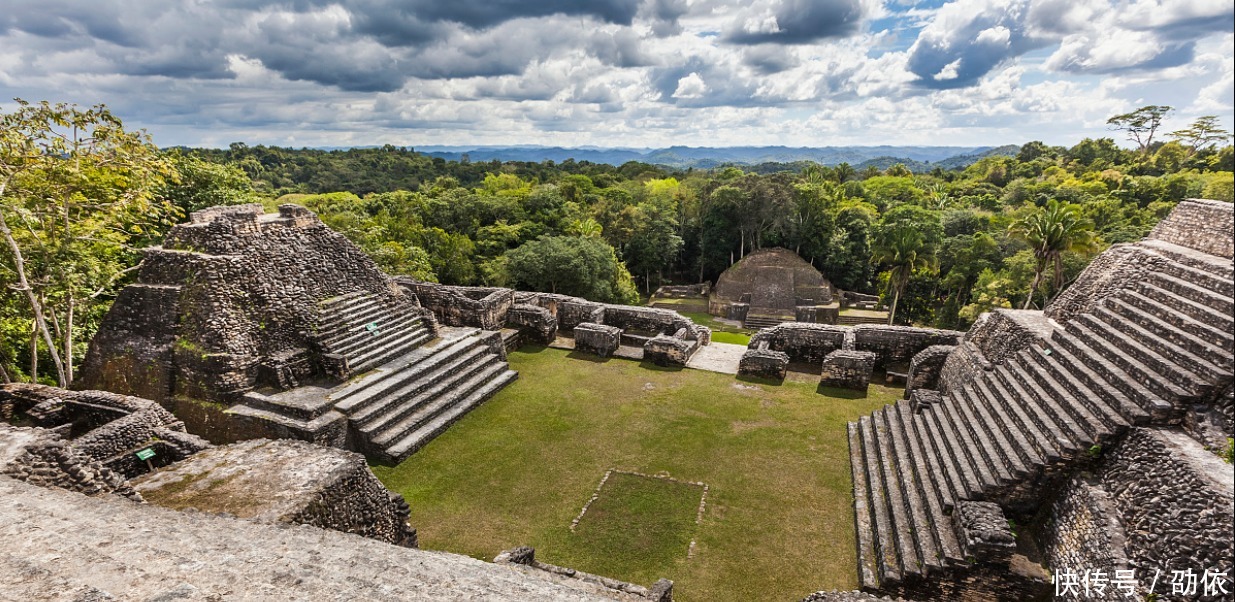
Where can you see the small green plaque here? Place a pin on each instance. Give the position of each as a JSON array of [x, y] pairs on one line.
[[145, 454], [371, 327]]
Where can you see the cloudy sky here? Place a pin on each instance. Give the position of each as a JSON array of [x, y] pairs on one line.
[[628, 73]]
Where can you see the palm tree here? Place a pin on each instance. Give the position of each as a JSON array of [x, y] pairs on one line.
[[904, 249], [1056, 228]]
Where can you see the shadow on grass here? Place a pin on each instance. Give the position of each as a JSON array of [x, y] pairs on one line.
[[746, 378], [588, 357], [649, 365], [532, 348], [841, 393]]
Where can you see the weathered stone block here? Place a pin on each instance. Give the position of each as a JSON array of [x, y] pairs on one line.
[[665, 350], [764, 363], [923, 399], [845, 369], [533, 320], [598, 339], [983, 531]]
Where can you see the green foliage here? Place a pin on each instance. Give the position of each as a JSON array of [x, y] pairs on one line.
[[569, 265], [1229, 454]]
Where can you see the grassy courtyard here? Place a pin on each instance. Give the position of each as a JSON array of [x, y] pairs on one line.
[[518, 470]]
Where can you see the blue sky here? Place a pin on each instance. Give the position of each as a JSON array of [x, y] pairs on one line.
[[629, 73]]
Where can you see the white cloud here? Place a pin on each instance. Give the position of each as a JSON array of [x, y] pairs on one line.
[[691, 86]]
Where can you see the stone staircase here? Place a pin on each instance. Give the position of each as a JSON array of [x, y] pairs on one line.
[[757, 322], [1140, 357], [401, 406], [367, 331]]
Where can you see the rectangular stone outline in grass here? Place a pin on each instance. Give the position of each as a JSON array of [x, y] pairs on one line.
[[664, 476]]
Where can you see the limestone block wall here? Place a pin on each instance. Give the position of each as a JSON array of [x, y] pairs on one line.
[[964, 364], [1083, 530], [480, 307], [847, 369], [925, 368], [1203, 225], [808, 343], [898, 344], [40, 457], [1002, 333], [1174, 498]]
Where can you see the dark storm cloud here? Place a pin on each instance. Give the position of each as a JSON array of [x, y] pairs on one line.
[[798, 22], [767, 59]]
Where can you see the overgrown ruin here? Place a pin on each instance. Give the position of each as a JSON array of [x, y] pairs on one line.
[[1036, 443]]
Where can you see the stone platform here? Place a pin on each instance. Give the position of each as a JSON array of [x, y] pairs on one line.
[[57, 545]]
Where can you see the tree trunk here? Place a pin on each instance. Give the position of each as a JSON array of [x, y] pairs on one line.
[[68, 342], [34, 353], [742, 249], [1033, 288], [19, 264], [4, 374], [896, 297]]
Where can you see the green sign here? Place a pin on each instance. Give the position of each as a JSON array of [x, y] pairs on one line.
[[145, 454], [371, 327]]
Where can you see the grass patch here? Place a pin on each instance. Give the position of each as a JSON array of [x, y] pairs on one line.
[[638, 525], [516, 471], [736, 338]]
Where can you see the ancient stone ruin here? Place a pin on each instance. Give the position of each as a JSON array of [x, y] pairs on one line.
[[248, 325], [1076, 438], [771, 286]]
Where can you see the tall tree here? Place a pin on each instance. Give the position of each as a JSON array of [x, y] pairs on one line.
[[1050, 231], [905, 240], [75, 190], [1203, 132], [1141, 124]]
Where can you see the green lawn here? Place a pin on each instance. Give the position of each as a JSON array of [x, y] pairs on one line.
[[721, 332], [516, 471]]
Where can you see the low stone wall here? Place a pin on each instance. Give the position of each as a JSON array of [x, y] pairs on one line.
[[808, 343], [42, 458], [898, 344], [597, 339], [106, 427], [284, 481], [925, 368], [983, 532], [817, 314], [665, 350], [1203, 225], [479, 307], [569, 311], [847, 369]]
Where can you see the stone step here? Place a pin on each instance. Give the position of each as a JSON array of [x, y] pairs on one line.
[[1019, 453], [1177, 346], [956, 450], [1122, 337], [1176, 321], [377, 356], [1053, 440], [418, 389], [868, 569], [354, 324], [887, 559], [986, 448], [945, 548], [942, 473], [1192, 291], [354, 398], [1086, 389], [764, 321], [1034, 378], [427, 406], [418, 439], [1141, 383], [917, 500], [989, 472], [335, 316], [902, 515], [361, 337], [1219, 270], [1201, 313], [1077, 363]]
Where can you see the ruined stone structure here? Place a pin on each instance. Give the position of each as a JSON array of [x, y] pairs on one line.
[[770, 286], [248, 325], [525, 557], [284, 481], [96, 427], [845, 355], [664, 336], [1084, 424]]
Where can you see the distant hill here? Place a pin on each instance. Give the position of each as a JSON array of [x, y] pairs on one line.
[[916, 158]]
